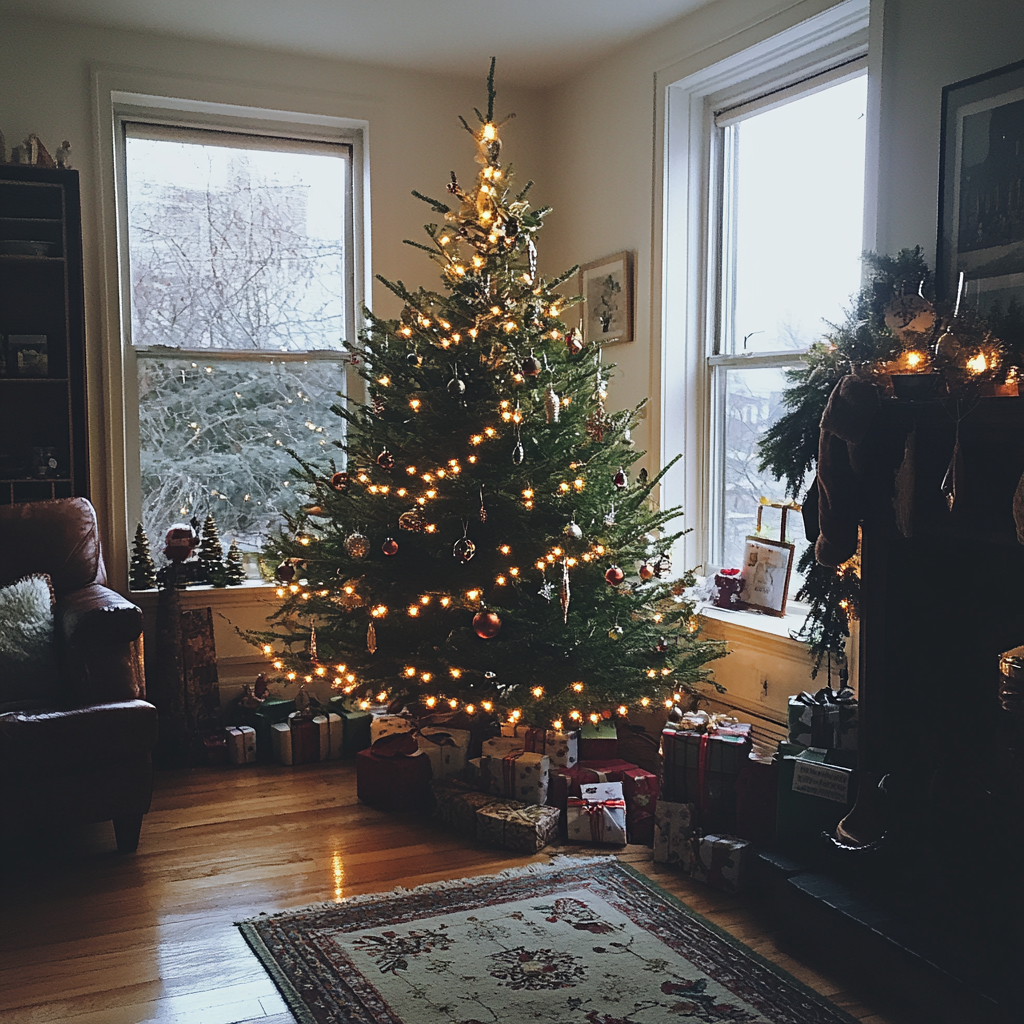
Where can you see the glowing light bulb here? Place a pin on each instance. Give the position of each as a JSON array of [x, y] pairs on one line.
[[504, 549], [410, 671], [557, 725], [453, 703], [426, 676], [594, 717], [487, 705], [321, 671], [279, 665], [978, 364], [382, 696], [577, 687], [470, 709], [455, 673], [575, 716], [430, 701], [538, 691], [645, 701], [413, 610]]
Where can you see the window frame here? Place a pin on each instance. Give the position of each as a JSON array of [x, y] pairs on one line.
[[691, 237], [201, 116]]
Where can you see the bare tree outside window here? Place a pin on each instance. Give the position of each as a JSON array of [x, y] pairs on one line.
[[238, 288]]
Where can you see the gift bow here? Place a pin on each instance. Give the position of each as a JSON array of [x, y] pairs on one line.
[[702, 722], [397, 744], [826, 695]]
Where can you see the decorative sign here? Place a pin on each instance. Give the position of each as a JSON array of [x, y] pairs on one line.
[[826, 781]]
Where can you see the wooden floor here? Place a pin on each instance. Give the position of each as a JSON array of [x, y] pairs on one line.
[[89, 937]]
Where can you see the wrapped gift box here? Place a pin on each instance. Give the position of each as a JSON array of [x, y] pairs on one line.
[[674, 835], [639, 789], [702, 768], [216, 748], [599, 742], [399, 783], [355, 726], [261, 718], [560, 746], [598, 815], [518, 776], [281, 742], [241, 744], [480, 726], [757, 790], [828, 719], [389, 725], [305, 738], [446, 749], [525, 828], [723, 862], [816, 789], [501, 746], [456, 806]]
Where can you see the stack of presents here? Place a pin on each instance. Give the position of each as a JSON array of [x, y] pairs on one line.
[[720, 800], [528, 787]]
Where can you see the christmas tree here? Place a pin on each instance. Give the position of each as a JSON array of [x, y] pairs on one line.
[[211, 555], [141, 570], [234, 569], [484, 545]]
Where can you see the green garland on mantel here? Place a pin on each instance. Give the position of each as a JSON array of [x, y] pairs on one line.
[[967, 350]]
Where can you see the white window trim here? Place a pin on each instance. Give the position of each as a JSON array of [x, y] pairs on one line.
[[685, 248], [123, 94]]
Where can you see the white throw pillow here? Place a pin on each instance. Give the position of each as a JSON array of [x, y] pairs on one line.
[[28, 650]]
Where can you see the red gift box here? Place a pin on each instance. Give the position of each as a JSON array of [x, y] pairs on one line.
[[639, 788], [757, 791], [216, 748], [305, 740], [393, 783]]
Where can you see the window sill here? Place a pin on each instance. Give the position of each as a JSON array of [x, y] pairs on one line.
[[722, 623], [249, 593]]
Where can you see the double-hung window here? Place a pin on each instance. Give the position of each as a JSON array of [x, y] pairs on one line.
[[763, 192], [238, 274], [789, 216]]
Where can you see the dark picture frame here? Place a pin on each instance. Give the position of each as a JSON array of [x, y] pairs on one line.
[[607, 308], [981, 190]]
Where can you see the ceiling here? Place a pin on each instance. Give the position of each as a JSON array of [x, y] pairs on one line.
[[537, 42]]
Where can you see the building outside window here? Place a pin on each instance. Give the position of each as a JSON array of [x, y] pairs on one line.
[[240, 278]]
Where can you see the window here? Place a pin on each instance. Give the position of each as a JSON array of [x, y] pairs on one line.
[[762, 192], [790, 219], [240, 294]]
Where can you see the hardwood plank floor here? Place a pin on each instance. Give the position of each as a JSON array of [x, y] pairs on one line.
[[90, 937]]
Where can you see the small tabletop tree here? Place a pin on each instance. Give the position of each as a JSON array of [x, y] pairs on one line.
[[485, 545], [141, 570]]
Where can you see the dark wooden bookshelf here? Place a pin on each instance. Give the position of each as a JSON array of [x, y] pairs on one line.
[[41, 293]]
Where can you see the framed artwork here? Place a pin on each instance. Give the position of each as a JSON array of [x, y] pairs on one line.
[[981, 191], [607, 289], [767, 567]]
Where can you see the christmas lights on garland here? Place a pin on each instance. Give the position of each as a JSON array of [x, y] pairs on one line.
[[423, 593], [910, 346]]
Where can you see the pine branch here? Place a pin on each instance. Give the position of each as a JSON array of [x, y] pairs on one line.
[[490, 90], [436, 205]]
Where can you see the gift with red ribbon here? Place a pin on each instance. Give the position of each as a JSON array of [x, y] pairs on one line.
[[639, 790], [701, 767], [393, 775], [598, 815]]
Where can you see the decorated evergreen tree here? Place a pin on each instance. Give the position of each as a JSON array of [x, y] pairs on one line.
[[211, 555], [234, 569], [484, 544], [141, 570]]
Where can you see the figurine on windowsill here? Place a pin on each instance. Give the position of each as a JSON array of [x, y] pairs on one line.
[[728, 584]]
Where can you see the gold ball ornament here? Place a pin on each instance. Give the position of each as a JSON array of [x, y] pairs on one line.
[[357, 545]]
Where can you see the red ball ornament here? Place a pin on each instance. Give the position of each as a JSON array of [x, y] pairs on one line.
[[620, 479], [285, 572], [390, 547], [486, 625], [614, 576], [531, 366], [386, 460], [340, 482], [606, 713]]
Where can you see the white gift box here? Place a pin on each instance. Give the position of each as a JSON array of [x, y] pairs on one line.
[[281, 742], [446, 748], [673, 834], [388, 725], [336, 734], [518, 776], [322, 723], [241, 744], [561, 747], [598, 815]]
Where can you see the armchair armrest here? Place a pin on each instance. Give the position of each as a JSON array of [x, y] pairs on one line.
[[95, 614], [102, 645]]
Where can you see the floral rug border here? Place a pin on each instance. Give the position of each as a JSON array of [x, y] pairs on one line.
[[606, 867]]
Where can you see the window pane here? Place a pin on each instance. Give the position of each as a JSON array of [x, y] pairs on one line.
[[213, 438], [234, 247], [796, 219], [753, 402]]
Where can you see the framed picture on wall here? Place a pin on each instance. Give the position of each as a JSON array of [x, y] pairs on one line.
[[981, 191], [607, 289], [767, 567]]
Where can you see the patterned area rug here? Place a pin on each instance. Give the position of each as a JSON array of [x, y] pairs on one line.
[[582, 941]]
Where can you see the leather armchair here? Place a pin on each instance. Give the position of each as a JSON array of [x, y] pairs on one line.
[[89, 757]]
